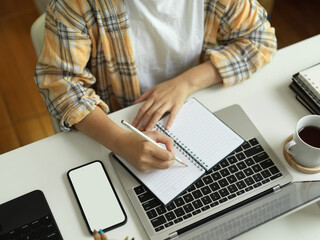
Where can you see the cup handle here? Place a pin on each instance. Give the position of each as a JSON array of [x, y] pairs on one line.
[[290, 145]]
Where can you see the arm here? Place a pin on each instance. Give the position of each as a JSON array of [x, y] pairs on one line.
[[240, 41], [64, 82], [141, 154], [61, 75], [246, 42]]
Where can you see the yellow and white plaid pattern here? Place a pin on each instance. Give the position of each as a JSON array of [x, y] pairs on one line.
[[87, 57]]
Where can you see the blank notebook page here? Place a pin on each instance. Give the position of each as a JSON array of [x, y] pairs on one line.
[[169, 183], [203, 134]]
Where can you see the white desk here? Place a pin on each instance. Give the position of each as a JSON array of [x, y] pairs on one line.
[[267, 100]]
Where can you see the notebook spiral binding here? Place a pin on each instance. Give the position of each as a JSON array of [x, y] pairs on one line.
[[191, 156]]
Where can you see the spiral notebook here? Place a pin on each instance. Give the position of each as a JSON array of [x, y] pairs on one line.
[[311, 78], [306, 85], [201, 140]]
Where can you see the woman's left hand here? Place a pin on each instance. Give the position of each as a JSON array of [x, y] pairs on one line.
[[165, 97], [169, 96]]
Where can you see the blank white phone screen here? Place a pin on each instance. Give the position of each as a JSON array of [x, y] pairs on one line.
[[96, 196]]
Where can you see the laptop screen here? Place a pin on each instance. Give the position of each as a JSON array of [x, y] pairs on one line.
[[258, 212]]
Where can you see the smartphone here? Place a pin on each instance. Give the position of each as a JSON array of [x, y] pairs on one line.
[[96, 196]]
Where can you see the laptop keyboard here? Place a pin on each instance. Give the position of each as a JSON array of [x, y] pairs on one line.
[[44, 228], [247, 168]]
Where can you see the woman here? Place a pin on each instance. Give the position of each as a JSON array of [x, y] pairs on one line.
[[103, 55]]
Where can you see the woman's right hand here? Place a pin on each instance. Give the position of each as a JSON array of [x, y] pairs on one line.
[[143, 155]]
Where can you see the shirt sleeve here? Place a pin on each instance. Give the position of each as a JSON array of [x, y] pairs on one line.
[[245, 41], [61, 75]]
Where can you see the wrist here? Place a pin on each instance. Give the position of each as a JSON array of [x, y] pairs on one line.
[[200, 76], [119, 143]]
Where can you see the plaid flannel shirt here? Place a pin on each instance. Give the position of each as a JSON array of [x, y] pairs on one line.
[[87, 57]]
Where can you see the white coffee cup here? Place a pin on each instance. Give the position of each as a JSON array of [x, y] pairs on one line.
[[302, 152]]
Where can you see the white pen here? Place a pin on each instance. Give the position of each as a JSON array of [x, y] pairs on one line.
[[133, 129]]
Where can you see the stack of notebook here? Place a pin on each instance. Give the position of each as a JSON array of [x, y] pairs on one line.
[[306, 85]]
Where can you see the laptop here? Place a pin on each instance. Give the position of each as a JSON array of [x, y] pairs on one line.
[[252, 171], [28, 217], [230, 225]]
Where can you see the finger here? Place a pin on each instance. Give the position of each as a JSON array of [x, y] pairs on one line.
[[159, 152], [96, 235], [157, 110], [156, 117], [159, 164], [172, 116], [167, 141], [154, 156], [144, 96], [156, 160], [145, 107]]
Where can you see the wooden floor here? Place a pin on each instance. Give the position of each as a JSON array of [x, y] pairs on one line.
[[23, 115], [295, 20]]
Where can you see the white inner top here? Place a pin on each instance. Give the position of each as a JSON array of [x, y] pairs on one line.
[[167, 38]]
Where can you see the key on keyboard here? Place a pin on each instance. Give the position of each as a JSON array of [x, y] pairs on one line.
[[248, 167], [44, 228]]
